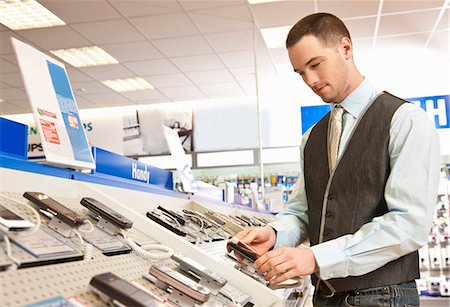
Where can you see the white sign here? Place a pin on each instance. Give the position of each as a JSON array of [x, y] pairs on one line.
[[54, 108]]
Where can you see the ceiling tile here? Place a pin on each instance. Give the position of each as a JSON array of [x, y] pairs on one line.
[[105, 72], [192, 45], [237, 59], [55, 37], [244, 73], [237, 12], [413, 40], [8, 109], [87, 88], [360, 28], [81, 11], [191, 5], [5, 41], [198, 62], [12, 94], [77, 76], [234, 41], [169, 80], [183, 92], [13, 79], [3, 28], [392, 6], [143, 95], [210, 76], [249, 87], [4, 85], [214, 24], [280, 55], [161, 100], [132, 51], [445, 21], [131, 8], [164, 26], [7, 66], [275, 14], [441, 42], [222, 89], [344, 9], [407, 23], [84, 103], [108, 32], [107, 99], [152, 67], [11, 58]]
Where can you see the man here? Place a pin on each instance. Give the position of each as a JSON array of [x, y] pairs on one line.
[[366, 192]]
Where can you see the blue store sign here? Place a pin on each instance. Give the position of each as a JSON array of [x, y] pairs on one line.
[[437, 108]]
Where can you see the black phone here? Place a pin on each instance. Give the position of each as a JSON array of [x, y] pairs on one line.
[[243, 250], [106, 212], [173, 214], [120, 290], [63, 213], [163, 223]]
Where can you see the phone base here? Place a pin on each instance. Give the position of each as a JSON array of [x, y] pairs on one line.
[[175, 295], [108, 227], [60, 227], [203, 280]]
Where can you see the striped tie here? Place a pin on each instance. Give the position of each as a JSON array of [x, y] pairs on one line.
[[335, 135]]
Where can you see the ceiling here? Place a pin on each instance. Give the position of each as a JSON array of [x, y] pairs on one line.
[[196, 50]]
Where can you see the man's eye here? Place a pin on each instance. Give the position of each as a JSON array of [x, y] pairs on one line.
[[315, 65]]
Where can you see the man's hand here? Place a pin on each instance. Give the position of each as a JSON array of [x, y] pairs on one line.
[[261, 239], [284, 263]]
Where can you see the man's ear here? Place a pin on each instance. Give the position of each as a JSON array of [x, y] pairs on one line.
[[346, 47]]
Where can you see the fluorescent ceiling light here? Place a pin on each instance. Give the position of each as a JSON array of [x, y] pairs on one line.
[[128, 84], [27, 14], [85, 56], [275, 37], [261, 1]]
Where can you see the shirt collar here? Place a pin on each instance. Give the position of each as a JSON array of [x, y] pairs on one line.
[[355, 103]]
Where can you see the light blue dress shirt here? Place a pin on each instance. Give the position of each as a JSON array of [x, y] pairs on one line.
[[410, 193]]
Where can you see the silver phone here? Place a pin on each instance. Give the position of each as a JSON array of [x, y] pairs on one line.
[[9, 221], [180, 282]]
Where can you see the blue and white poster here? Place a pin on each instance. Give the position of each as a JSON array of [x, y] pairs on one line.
[[55, 111]]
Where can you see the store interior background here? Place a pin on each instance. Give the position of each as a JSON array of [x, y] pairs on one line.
[[225, 62]]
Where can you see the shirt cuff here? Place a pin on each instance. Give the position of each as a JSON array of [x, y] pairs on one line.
[[284, 226], [331, 260]]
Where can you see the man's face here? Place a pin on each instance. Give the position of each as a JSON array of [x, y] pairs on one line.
[[324, 69]]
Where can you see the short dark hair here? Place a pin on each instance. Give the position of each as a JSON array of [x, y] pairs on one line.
[[327, 28]]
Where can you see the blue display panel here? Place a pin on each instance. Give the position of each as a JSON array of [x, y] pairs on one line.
[[13, 138]]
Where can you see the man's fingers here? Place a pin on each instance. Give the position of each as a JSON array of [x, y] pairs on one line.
[[278, 270], [285, 276]]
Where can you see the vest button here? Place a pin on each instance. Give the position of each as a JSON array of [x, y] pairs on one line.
[[329, 214], [331, 196]]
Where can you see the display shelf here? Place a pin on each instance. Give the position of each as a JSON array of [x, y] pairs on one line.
[[29, 285]]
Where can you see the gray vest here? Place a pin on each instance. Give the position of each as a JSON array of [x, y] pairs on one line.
[[354, 195]]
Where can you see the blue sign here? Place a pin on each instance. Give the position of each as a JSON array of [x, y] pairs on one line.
[[311, 115], [116, 165], [13, 138], [437, 108]]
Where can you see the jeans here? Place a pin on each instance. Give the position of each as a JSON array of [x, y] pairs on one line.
[[404, 294]]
